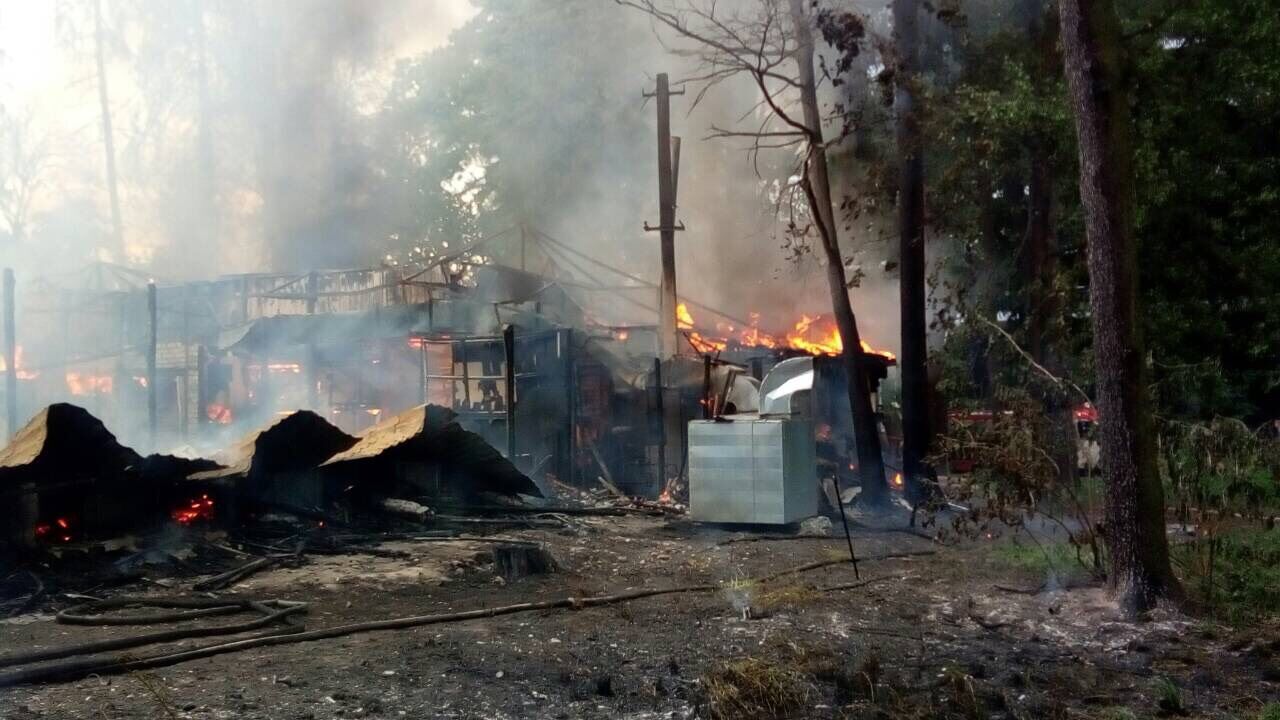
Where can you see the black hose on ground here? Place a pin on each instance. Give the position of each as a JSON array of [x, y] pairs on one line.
[[272, 612]]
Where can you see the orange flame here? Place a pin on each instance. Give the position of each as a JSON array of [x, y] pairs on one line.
[[87, 384], [814, 335], [18, 363]]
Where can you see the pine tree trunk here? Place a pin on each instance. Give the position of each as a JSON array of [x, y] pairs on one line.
[[108, 139], [1135, 528], [875, 490], [914, 356], [208, 182]]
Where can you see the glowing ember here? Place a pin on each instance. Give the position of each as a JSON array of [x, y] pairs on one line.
[[284, 368], [61, 525], [897, 479], [86, 384], [18, 363], [199, 509], [218, 413]]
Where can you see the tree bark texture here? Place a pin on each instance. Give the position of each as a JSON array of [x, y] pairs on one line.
[[875, 489], [914, 356], [1135, 529]]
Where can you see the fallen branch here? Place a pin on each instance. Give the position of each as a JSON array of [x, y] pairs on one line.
[[842, 561], [230, 577], [1060, 382], [292, 634]]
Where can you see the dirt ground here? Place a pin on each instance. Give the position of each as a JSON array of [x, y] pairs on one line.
[[930, 636]]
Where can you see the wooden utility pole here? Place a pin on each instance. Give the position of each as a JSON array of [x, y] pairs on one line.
[[10, 356], [152, 337], [668, 333]]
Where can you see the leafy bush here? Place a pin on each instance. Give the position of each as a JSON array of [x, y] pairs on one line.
[[1234, 574], [1018, 457], [1221, 465]]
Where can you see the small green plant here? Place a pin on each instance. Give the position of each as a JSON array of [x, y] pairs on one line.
[[1270, 711], [1234, 574], [1169, 697]]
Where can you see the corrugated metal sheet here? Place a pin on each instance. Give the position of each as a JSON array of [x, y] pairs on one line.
[[430, 434], [64, 441], [298, 441]]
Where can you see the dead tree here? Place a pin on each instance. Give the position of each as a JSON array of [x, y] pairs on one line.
[[772, 44], [1135, 528], [24, 162]]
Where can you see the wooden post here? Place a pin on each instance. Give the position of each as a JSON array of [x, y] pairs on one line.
[[662, 425], [10, 356], [313, 296], [422, 371], [509, 350], [152, 338], [566, 349], [706, 387], [184, 402], [202, 381], [668, 332]]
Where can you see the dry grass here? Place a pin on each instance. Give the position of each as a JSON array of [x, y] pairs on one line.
[[783, 596], [756, 688]]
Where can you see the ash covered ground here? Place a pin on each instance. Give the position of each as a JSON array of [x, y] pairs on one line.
[[946, 634]]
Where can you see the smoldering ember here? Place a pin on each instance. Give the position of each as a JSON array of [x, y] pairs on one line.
[[640, 359]]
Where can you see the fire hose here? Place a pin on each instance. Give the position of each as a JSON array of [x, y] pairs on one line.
[[279, 611], [273, 612]]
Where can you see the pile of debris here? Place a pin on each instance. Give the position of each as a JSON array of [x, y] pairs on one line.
[[66, 479]]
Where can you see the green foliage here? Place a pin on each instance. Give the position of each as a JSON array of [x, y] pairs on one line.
[[1206, 107], [1270, 711], [1168, 696], [1234, 574], [1019, 478], [534, 93], [1220, 464], [1057, 561]]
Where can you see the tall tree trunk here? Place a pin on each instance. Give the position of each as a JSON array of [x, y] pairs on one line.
[[1135, 528], [208, 181], [108, 140], [911, 283], [817, 185]]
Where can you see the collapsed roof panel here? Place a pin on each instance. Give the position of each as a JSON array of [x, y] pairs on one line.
[[64, 441], [299, 441], [430, 434]]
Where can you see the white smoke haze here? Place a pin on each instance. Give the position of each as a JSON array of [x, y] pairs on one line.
[[263, 137]]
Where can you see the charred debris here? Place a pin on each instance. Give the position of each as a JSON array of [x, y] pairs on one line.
[[287, 411]]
